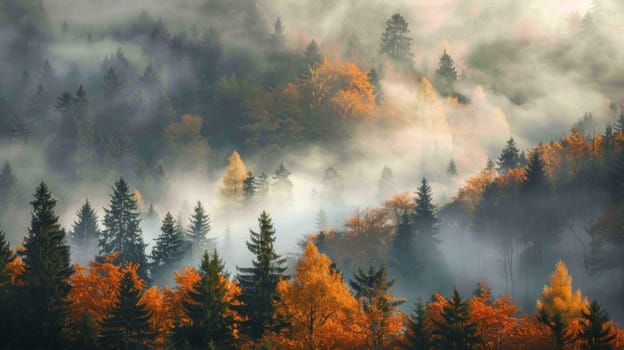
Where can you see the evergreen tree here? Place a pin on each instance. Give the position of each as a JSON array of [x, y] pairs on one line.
[[536, 181], [277, 39], [312, 55], [455, 330], [395, 42], [262, 187], [84, 334], [446, 75], [490, 164], [8, 310], [418, 333], [8, 183], [122, 232], [250, 187], [403, 253], [199, 228], [111, 85], [509, 157], [425, 219], [208, 309], [558, 327], [386, 185], [85, 230], [452, 169], [127, 326], [6, 257], [47, 267], [321, 221], [259, 282], [373, 78], [169, 248], [596, 332], [282, 186]]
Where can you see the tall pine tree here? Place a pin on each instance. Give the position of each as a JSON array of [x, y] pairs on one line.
[[454, 330], [446, 75], [259, 282], [418, 335], [509, 157], [8, 183], [396, 43], [169, 249], [122, 232], [85, 230], [47, 267], [596, 332], [198, 230]]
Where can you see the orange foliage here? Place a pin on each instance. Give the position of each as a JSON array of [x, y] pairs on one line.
[[496, 320], [398, 205], [186, 132], [471, 193]]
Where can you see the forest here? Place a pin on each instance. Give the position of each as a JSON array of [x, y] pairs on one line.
[[278, 174]]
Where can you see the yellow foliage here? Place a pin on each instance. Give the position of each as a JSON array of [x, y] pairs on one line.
[[471, 193], [232, 183], [186, 132], [398, 205], [558, 297]]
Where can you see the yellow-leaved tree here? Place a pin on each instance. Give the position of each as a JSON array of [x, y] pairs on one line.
[[232, 184], [319, 305], [558, 297]]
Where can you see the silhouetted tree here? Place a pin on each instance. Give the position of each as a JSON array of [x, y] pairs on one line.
[[395, 42], [455, 330], [596, 332], [509, 157]]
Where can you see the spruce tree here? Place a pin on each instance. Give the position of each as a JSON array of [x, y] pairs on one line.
[[85, 230], [250, 186], [122, 232], [208, 309], [446, 75], [198, 230], [536, 180], [262, 187], [169, 248], [6, 257], [282, 185], [452, 168], [84, 334], [403, 253], [418, 334], [425, 218], [127, 326], [509, 157], [8, 183], [42, 297], [373, 78], [455, 330], [396, 43], [259, 282], [312, 56], [596, 332]]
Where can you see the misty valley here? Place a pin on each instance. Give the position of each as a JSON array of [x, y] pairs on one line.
[[328, 174]]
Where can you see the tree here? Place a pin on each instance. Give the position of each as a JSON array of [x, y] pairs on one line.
[[395, 42], [122, 232], [386, 186], [250, 186], [85, 334], [373, 77], [127, 326], [7, 256], [382, 320], [452, 169], [509, 157], [558, 298], [596, 332], [312, 55], [169, 248], [259, 282], [418, 333], [8, 182], [321, 221], [198, 229], [208, 308], [85, 230], [262, 187], [446, 75], [317, 302], [425, 218], [232, 183], [558, 327], [42, 298], [282, 185], [455, 330]]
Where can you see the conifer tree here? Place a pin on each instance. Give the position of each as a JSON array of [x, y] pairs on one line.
[[208, 309], [596, 332], [395, 41], [8, 182], [312, 55], [403, 253], [558, 326], [250, 187], [85, 231], [259, 282], [282, 185], [262, 187], [509, 157], [386, 185], [452, 168], [122, 232], [199, 228], [127, 326], [373, 77], [455, 330], [425, 219], [418, 333], [6, 257], [7, 292], [536, 180], [169, 248], [84, 334], [47, 267], [446, 75]]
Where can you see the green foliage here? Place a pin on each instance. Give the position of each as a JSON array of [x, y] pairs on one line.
[[446, 75], [374, 287], [85, 230], [8, 183], [395, 42], [169, 250], [127, 326], [425, 219], [199, 228], [418, 334], [596, 333], [455, 331], [558, 327], [509, 157], [250, 187], [259, 282], [312, 55]]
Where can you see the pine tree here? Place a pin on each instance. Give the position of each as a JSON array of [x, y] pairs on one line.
[[169, 248], [312, 55], [111, 85], [85, 230], [446, 75], [403, 253], [277, 39], [425, 219], [250, 187], [47, 267], [558, 326], [127, 326], [455, 330], [122, 232], [6, 257], [373, 78], [208, 309], [418, 334], [452, 169], [84, 334], [262, 187], [536, 181], [8, 183], [321, 221], [395, 42], [509, 157], [199, 228], [282, 186], [386, 185], [259, 282], [596, 332], [490, 165]]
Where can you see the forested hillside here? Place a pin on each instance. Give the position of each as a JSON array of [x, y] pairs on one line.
[[271, 174]]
